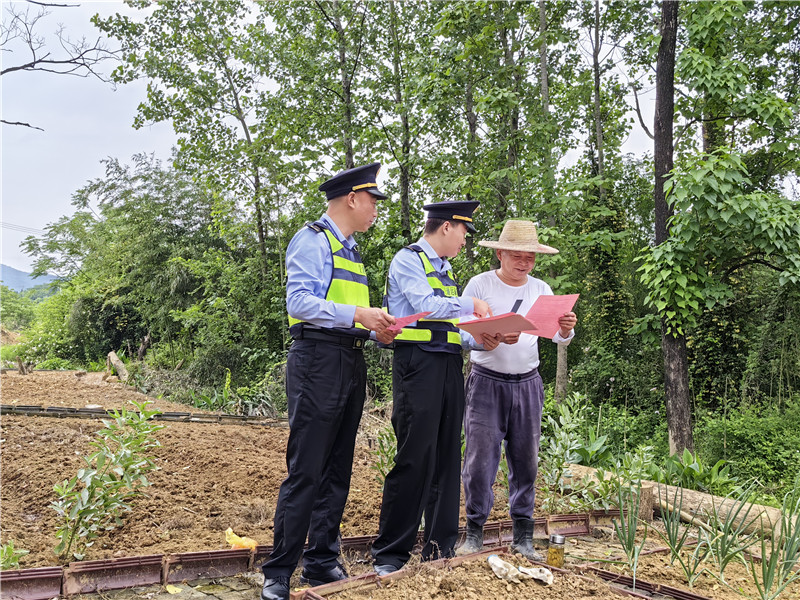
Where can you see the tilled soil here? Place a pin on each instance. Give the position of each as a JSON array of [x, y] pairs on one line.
[[213, 476]]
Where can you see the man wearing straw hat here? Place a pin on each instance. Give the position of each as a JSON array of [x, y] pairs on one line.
[[504, 392]]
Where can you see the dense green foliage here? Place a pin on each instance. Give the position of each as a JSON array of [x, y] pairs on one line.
[[183, 263]]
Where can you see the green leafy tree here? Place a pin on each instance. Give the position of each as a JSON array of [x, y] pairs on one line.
[[122, 258], [16, 310]]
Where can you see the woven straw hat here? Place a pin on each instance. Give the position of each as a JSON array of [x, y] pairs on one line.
[[520, 236]]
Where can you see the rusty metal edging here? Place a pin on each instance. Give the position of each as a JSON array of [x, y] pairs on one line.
[[99, 575], [39, 583], [90, 576], [651, 588]]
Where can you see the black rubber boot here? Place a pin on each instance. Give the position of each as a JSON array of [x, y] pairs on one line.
[[473, 542], [523, 540]]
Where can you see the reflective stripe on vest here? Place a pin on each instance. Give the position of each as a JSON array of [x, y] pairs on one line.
[[436, 331], [348, 284]]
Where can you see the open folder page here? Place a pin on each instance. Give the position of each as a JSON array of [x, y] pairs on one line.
[[541, 320], [545, 312], [507, 323]]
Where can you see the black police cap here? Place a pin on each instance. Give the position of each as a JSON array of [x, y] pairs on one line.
[[353, 180], [460, 211]]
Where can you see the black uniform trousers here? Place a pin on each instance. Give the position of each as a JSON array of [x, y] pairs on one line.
[[426, 477], [326, 387]]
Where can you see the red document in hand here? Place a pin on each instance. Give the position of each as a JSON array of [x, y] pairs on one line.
[[545, 312], [401, 322]]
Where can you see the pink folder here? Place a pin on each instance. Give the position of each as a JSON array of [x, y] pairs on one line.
[[541, 320]]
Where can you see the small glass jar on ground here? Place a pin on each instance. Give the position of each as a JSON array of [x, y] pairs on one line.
[[555, 551]]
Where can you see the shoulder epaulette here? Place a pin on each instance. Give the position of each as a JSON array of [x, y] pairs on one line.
[[314, 226]]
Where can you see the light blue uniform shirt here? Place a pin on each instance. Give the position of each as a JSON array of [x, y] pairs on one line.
[[309, 268], [410, 293]]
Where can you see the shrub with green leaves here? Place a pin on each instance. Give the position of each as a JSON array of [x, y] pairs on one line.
[[9, 556], [759, 442], [97, 497], [689, 471]]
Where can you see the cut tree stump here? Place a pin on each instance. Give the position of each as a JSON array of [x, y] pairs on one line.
[[24, 368], [119, 366]]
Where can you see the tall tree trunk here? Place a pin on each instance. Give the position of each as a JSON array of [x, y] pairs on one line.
[[598, 117], [405, 217], [347, 97], [260, 229], [511, 125], [676, 366], [548, 185]]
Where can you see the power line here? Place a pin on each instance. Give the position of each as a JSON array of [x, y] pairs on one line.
[[21, 228]]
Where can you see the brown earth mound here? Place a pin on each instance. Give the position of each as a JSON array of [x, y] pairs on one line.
[[8, 337]]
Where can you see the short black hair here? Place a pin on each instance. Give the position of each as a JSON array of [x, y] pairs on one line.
[[432, 224]]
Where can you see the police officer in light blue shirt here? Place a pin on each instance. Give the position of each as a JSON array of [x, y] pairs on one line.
[[327, 298], [428, 389]]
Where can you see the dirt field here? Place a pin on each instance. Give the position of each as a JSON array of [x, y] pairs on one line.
[[210, 477], [214, 476]]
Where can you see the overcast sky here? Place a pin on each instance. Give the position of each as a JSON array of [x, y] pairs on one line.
[[85, 121]]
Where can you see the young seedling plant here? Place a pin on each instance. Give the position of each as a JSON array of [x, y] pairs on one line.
[[95, 499], [675, 536], [780, 556], [9, 556], [628, 499], [731, 538]]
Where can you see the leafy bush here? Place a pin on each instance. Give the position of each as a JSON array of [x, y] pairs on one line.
[[9, 556], [16, 311], [95, 499], [57, 364], [594, 451], [49, 336], [759, 442], [267, 397], [8, 354], [688, 471]]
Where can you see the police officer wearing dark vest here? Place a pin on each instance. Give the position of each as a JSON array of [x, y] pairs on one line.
[[428, 386], [330, 319]]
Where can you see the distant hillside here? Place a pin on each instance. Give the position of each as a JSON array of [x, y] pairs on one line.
[[20, 280]]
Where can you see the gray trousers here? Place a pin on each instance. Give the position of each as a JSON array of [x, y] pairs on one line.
[[501, 408]]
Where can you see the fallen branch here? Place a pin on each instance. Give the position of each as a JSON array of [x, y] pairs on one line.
[[665, 506]]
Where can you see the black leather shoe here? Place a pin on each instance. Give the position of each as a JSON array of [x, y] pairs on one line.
[[275, 588], [382, 570], [314, 578]]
